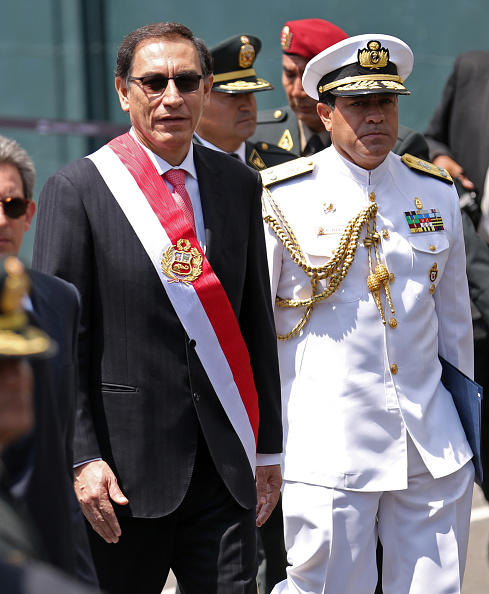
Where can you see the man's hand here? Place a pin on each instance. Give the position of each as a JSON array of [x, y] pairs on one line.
[[95, 486], [268, 483], [454, 169]]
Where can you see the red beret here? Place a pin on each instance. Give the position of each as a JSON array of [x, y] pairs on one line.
[[309, 37]]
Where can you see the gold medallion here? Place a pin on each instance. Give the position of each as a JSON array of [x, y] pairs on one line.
[[418, 203], [246, 53], [433, 273], [374, 56], [182, 263]]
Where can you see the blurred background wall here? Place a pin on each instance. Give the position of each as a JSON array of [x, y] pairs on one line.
[[57, 57]]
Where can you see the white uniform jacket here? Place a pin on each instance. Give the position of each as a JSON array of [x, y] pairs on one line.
[[351, 387]]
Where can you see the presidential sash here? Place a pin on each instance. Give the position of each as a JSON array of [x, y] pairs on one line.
[[191, 285]]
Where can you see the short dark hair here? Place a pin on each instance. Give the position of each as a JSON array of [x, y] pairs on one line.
[[125, 56], [328, 99], [12, 153]]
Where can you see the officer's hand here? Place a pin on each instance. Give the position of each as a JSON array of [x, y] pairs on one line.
[[268, 483], [454, 169], [95, 486]]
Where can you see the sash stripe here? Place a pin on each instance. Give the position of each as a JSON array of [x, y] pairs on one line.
[[206, 287]]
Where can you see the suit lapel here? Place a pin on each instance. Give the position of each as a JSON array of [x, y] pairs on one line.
[[213, 188]]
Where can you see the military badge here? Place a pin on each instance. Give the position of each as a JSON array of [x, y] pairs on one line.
[[182, 263], [433, 272], [257, 162], [374, 56], [286, 38], [246, 53], [286, 141]]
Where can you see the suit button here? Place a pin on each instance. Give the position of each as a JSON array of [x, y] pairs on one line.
[[196, 396], [192, 344], [394, 369]]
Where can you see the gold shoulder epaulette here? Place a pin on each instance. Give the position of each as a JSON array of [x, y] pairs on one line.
[[426, 167], [284, 171]]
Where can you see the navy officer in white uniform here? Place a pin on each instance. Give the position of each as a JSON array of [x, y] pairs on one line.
[[367, 267]]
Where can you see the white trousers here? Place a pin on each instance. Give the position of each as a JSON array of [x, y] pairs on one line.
[[331, 535]]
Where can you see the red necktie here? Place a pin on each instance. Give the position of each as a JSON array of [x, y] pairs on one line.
[[176, 177]]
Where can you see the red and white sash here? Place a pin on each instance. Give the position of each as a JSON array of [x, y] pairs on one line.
[[201, 305]]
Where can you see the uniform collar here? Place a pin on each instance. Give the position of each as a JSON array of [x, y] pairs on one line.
[[365, 177], [241, 151]]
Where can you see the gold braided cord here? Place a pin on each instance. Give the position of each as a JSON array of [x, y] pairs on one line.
[[335, 269]]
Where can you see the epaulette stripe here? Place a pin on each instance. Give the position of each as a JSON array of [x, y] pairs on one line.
[[426, 167], [288, 170]]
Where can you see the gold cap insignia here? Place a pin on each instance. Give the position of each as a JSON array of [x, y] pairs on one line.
[[246, 53], [286, 38], [374, 57]]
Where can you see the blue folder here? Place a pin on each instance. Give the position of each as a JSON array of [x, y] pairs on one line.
[[467, 396]]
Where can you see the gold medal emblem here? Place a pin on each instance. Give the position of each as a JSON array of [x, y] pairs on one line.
[[418, 203], [374, 57], [286, 38], [182, 263], [246, 53]]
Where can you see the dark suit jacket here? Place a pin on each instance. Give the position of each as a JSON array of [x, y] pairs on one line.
[[459, 125], [272, 124], [143, 391], [41, 465]]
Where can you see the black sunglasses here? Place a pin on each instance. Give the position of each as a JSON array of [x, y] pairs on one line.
[[14, 207], [156, 83]]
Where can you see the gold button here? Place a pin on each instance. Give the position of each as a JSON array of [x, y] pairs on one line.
[[393, 323], [394, 369], [432, 248], [432, 289], [277, 114], [264, 146], [385, 234], [392, 278], [372, 196]]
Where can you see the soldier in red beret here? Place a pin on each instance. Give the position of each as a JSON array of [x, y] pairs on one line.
[[297, 127]]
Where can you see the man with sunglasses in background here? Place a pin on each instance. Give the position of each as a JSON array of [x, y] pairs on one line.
[[39, 467], [179, 384]]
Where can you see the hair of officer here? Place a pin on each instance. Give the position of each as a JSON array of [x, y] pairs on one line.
[[328, 99], [171, 31], [11, 152]]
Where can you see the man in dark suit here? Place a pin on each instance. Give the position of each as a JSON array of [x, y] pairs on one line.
[[230, 119], [40, 465], [177, 347], [297, 127], [458, 141], [456, 133]]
